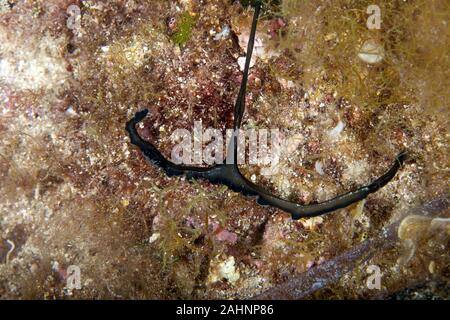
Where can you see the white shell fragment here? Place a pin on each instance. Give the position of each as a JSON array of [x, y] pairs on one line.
[[319, 168], [225, 33], [336, 131], [223, 269], [154, 237], [241, 63], [371, 52]]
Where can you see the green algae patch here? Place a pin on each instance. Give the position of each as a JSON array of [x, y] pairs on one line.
[[184, 30]]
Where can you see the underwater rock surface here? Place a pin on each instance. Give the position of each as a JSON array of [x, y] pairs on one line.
[[75, 193]]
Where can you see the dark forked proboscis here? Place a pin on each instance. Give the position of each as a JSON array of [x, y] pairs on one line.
[[228, 174]]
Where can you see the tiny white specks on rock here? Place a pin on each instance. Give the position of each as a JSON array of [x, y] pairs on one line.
[[32, 65], [356, 171]]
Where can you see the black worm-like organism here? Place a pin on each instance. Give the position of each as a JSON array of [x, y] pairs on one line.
[[228, 174]]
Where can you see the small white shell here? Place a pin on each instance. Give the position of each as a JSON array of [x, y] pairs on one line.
[[371, 52]]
